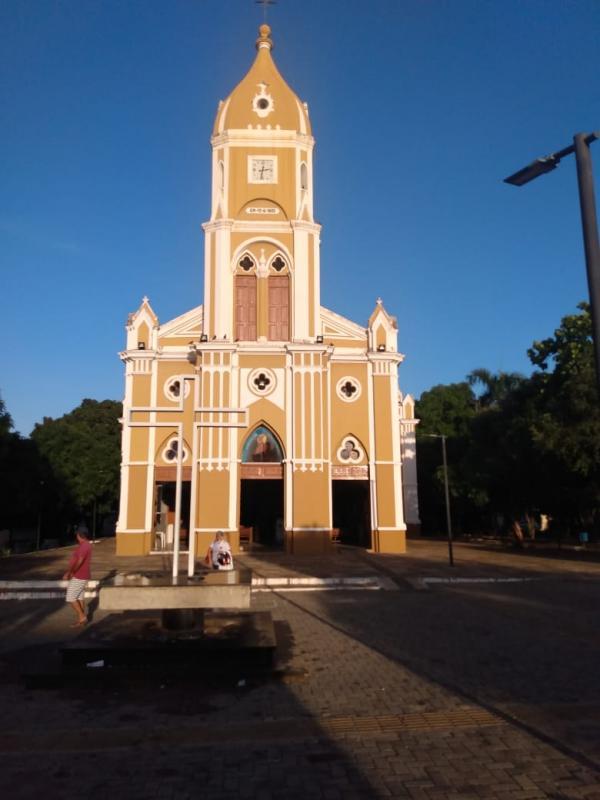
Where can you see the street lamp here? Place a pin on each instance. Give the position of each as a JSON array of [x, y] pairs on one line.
[[442, 436], [585, 179], [39, 520]]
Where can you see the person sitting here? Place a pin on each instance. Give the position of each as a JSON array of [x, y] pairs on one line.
[[219, 553]]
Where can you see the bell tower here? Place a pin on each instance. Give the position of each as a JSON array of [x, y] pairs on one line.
[[262, 244]]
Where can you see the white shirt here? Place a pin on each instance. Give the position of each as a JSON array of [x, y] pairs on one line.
[[217, 547]]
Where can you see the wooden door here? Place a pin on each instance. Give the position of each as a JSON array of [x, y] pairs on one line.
[[245, 308], [279, 305]]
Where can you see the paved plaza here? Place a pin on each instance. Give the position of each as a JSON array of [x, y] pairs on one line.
[[478, 681]]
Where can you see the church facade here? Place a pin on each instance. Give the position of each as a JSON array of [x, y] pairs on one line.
[[261, 413]]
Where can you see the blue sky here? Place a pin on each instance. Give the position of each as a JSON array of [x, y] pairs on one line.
[[419, 108]]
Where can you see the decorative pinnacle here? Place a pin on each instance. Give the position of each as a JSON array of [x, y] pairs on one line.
[[264, 39]]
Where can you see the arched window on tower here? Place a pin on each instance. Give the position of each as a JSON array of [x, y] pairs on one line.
[[279, 301], [221, 175], [303, 176], [245, 300]]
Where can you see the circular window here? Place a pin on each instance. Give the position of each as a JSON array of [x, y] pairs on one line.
[[262, 104], [350, 452], [348, 389], [172, 389], [262, 381]]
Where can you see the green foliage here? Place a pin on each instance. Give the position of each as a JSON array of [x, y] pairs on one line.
[[83, 449], [6, 423], [446, 409], [522, 445]]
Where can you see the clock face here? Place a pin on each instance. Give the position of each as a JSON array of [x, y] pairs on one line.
[[262, 170]]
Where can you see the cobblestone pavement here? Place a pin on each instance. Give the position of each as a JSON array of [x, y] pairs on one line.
[[462, 690]]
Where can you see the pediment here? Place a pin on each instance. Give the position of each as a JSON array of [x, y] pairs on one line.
[[188, 324], [342, 328]]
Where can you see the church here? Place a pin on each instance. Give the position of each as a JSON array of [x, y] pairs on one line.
[[262, 413]]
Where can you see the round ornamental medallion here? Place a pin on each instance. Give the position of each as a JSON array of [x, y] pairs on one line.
[[262, 381], [172, 389], [348, 389]]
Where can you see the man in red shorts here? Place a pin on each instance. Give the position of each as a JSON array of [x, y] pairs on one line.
[[78, 574]]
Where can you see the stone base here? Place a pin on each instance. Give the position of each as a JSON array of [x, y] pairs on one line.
[[141, 591], [135, 643], [307, 542], [389, 541]]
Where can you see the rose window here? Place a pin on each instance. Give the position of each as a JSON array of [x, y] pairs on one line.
[[262, 381], [348, 389]]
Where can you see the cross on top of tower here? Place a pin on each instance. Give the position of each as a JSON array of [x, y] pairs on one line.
[[265, 4]]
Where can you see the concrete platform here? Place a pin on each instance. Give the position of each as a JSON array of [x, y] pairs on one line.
[[136, 642], [138, 591]]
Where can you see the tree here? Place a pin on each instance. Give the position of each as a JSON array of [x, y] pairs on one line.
[[446, 409], [449, 411], [83, 448], [496, 387], [24, 477], [566, 428]]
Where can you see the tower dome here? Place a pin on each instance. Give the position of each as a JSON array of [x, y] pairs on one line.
[[262, 99]]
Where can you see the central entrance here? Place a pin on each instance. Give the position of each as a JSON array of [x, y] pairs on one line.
[[261, 489], [261, 510]]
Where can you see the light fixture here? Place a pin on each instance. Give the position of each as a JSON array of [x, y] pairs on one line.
[[381, 348], [591, 243], [204, 337], [141, 345], [319, 340]]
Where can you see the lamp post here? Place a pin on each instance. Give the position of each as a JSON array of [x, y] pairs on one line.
[[585, 179], [39, 520], [442, 436]]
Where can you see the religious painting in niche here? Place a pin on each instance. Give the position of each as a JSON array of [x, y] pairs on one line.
[[261, 445]]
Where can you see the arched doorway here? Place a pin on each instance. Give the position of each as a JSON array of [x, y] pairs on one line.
[[261, 488]]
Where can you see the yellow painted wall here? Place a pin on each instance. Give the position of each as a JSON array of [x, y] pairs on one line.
[[136, 512], [386, 500], [311, 499], [141, 390], [213, 499], [389, 541], [133, 544], [383, 418], [139, 444]]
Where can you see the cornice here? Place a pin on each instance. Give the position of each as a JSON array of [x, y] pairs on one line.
[[249, 137], [217, 224], [387, 355]]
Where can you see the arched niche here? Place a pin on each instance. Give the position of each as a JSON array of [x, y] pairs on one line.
[[262, 446]]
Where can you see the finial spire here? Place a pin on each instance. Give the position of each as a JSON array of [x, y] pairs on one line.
[[264, 38]]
